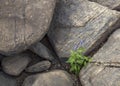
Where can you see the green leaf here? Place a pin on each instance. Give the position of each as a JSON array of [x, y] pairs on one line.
[[77, 60]]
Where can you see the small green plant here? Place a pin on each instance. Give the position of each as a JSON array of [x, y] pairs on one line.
[[77, 60]]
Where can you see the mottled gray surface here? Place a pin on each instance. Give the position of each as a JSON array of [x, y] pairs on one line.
[[53, 78], [112, 4], [42, 51], [39, 67], [78, 21], [14, 65], [106, 69], [6, 80], [23, 22]]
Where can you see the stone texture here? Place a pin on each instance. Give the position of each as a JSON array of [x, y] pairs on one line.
[[23, 22], [77, 21], [112, 4], [6, 80], [14, 65], [53, 78], [39, 67], [42, 51], [105, 69]]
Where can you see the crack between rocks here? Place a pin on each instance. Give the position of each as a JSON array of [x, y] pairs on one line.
[[15, 37], [24, 16], [107, 64], [56, 57], [117, 8]]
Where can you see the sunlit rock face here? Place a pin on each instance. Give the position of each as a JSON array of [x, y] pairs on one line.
[[83, 21], [23, 22], [105, 69]]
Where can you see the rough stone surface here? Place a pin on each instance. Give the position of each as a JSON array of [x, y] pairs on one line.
[[39, 67], [53, 78], [77, 21], [22, 23], [112, 4], [6, 80], [42, 51], [105, 69], [14, 65]]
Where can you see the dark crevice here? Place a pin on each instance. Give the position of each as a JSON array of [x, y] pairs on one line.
[[117, 8], [79, 81], [47, 43], [24, 20], [15, 37]]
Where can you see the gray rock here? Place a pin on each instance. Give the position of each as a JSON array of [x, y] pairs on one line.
[[14, 65], [53, 78], [23, 22], [39, 67], [112, 4], [105, 69], [6, 80], [81, 23], [42, 51]]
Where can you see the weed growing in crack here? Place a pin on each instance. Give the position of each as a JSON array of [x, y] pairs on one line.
[[77, 60]]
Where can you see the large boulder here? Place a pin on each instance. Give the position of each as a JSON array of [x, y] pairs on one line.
[[53, 78], [81, 23], [23, 22], [105, 68], [112, 4]]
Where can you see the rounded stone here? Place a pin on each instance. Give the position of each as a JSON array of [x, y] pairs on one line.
[[39, 67], [23, 22], [53, 78], [15, 65]]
